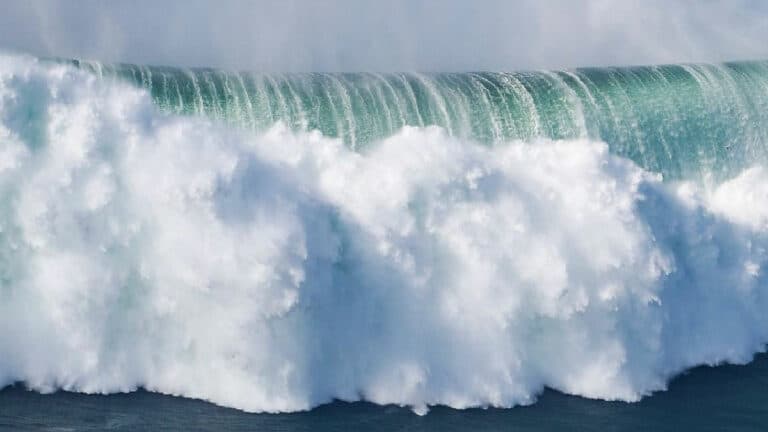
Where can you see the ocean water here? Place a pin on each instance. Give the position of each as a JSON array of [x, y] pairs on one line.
[[729, 398], [682, 120], [567, 241]]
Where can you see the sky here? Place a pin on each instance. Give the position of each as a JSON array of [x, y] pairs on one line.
[[388, 35]]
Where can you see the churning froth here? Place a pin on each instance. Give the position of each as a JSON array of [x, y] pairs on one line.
[[278, 270]]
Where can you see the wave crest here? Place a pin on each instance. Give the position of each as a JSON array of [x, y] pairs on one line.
[[278, 271]]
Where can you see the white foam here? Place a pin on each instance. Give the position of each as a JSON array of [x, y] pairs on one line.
[[280, 271]]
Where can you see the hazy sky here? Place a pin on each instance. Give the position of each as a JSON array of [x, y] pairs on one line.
[[425, 35]]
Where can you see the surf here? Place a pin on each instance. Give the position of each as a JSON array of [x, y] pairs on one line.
[[161, 243]]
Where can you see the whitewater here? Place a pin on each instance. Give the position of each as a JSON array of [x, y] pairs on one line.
[[279, 267]]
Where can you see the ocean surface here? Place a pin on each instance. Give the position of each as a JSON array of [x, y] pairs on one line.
[[536, 249], [729, 398]]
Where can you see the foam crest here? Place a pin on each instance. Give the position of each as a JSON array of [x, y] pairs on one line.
[[278, 271]]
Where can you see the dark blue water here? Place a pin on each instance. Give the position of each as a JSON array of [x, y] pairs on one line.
[[733, 398]]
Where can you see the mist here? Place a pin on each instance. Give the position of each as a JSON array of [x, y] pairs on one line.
[[424, 35]]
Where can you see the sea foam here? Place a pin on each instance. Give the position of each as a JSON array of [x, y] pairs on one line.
[[281, 270]]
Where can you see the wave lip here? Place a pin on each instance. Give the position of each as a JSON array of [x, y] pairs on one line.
[[681, 120], [280, 270]]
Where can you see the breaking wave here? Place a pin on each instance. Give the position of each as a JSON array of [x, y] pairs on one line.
[[280, 269]]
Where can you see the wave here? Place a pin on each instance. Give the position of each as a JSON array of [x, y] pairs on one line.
[[681, 120], [279, 270]]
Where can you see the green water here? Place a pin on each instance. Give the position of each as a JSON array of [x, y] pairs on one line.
[[680, 120]]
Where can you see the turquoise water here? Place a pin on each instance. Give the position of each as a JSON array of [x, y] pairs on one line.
[[680, 120]]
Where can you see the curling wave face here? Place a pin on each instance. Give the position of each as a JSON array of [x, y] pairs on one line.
[[279, 270], [680, 120]]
